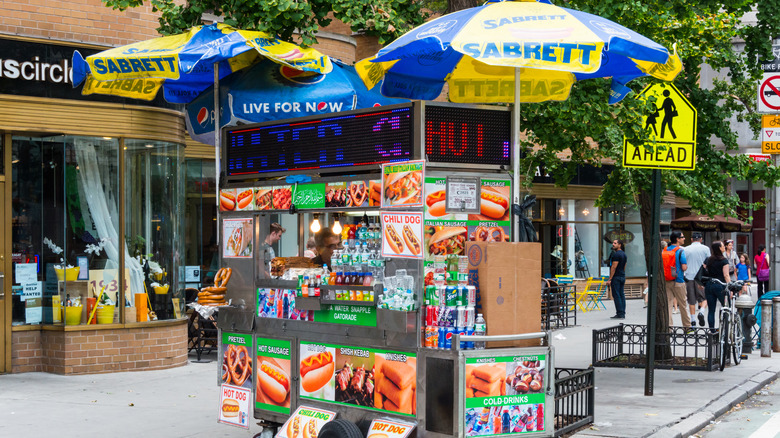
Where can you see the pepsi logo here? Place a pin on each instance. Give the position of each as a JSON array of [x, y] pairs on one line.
[[322, 106], [300, 77], [377, 104], [448, 336], [203, 117]]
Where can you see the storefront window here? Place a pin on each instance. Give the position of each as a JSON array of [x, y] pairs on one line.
[[153, 224], [200, 225], [64, 238]]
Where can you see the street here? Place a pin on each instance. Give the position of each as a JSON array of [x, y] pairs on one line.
[[756, 417]]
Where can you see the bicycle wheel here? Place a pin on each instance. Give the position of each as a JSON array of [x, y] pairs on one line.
[[724, 339], [736, 340]]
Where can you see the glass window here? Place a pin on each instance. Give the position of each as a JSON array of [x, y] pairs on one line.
[[631, 234], [153, 224], [586, 211], [200, 225]]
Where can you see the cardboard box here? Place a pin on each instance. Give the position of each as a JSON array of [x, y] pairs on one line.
[[507, 276]]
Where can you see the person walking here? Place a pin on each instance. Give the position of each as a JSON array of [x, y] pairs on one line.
[[696, 254], [761, 262], [670, 112], [717, 267], [731, 256], [675, 265], [617, 277]]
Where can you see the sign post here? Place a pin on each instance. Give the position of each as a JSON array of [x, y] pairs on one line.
[[672, 146]]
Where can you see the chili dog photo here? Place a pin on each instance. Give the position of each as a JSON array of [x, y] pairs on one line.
[[244, 199], [227, 200], [317, 370], [273, 381], [263, 199], [442, 240], [393, 240], [412, 242]]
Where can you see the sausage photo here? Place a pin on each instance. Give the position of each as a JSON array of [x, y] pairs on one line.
[[273, 381], [393, 239], [263, 198], [412, 242], [227, 201], [493, 204], [448, 240], [316, 371]]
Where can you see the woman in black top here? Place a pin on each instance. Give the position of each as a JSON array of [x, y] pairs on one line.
[[717, 267]]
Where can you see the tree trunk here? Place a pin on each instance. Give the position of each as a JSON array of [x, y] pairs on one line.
[[662, 352], [457, 5]]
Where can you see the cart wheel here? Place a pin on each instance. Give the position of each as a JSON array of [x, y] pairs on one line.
[[340, 429]]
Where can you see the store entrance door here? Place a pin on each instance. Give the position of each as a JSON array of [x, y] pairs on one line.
[[5, 291]]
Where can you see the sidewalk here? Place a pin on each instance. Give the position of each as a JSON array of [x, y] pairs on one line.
[[683, 401], [183, 402]]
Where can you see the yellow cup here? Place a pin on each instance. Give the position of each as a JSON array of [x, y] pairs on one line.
[[56, 309], [67, 274], [73, 315], [161, 290], [105, 314]]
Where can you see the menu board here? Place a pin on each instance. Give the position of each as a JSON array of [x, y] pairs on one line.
[[373, 379], [402, 235], [505, 395], [273, 375], [237, 240]]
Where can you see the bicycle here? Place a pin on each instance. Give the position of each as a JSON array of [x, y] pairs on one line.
[[730, 336]]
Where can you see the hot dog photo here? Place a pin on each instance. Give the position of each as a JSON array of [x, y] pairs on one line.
[[273, 381], [316, 371], [494, 202], [244, 199], [227, 200]]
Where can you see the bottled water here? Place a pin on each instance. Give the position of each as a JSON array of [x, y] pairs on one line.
[[335, 260], [480, 328]]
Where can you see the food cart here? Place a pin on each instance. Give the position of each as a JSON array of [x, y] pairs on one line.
[[384, 342]]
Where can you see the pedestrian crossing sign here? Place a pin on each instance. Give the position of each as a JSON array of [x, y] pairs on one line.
[[672, 131]]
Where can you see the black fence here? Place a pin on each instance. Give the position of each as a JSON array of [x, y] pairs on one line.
[[558, 306], [574, 399], [624, 346]]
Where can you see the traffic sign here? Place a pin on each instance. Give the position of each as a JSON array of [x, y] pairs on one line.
[[770, 134], [672, 130], [769, 93]]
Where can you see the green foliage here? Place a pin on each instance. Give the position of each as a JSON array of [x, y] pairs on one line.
[[385, 19], [592, 131]]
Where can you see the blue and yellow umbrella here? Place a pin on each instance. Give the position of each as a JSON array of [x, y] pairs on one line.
[[183, 64], [478, 52]]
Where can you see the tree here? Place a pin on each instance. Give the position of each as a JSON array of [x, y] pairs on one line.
[[385, 19], [590, 132]]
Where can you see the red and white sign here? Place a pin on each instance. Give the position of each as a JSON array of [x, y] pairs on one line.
[[234, 406], [305, 422], [389, 429], [760, 157], [769, 93], [402, 235]]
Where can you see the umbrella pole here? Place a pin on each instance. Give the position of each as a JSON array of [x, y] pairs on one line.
[[217, 145], [516, 155]]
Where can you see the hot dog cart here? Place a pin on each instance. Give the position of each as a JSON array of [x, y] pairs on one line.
[[385, 330]]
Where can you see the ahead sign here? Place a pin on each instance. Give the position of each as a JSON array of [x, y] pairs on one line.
[[672, 130]]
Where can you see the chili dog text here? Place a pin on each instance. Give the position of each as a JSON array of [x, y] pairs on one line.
[[316, 371], [274, 381]]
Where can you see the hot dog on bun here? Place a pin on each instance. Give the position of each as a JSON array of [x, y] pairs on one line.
[[227, 201], [244, 199], [393, 239], [274, 381], [294, 427], [316, 371], [403, 188], [229, 408], [448, 240], [436, 203], [493, 203], [310, 430], [412, 242]]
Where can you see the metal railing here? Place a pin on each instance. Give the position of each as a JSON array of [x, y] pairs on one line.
[[574, 399], [624, 346], [558, 306]]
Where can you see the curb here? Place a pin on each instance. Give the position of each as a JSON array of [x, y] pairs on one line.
[[695, 422]]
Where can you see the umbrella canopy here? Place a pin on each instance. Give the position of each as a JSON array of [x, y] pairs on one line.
[[269, 91], [183, 64], [700, 222], [477, 50]]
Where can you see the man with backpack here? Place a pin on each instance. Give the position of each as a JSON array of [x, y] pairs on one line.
[[675, 265], [696, 254]]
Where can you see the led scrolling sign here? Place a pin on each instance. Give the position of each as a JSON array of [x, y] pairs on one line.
[[349, 139]]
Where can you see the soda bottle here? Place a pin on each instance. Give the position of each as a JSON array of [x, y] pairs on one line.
[[298, 291], [480, 328], [359, 282], [506, 421], [317, 283], [305, 287], [339, 282], [351, 236]]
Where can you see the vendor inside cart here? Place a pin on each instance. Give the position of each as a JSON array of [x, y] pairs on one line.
[[327, 242], [274, 235]]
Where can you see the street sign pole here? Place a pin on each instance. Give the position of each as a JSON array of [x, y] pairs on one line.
[[653, 281]]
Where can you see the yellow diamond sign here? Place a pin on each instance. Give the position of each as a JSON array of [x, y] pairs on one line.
[[672, 130]]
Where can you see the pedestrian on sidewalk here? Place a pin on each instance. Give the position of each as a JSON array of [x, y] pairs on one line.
[[617, 277], [675, 265], [696, 254], [743, 272], [717, 267], [761, 261]]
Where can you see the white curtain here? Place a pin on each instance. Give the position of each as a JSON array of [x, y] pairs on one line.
[[103, 208]]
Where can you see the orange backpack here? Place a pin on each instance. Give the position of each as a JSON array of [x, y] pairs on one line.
[[669, 258]]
